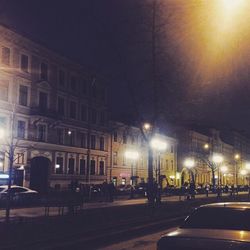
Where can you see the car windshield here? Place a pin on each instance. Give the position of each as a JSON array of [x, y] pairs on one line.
[[219, 218]]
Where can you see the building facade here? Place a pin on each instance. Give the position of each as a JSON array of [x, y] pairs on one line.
[[201, 147], [124, 170], [56, 112]]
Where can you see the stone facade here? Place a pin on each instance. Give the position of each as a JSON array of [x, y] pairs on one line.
[[127, 138], [54, 106]]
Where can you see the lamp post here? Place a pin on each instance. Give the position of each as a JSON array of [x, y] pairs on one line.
[[132, 156], [218, 159], [160, 146], [189, 163], [236, 159], [224, 170]]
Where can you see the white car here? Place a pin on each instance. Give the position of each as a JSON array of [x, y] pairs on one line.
[[218, 226], [18, 193]]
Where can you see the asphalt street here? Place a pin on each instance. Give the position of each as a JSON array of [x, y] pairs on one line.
[[147, 242], [33, 212]]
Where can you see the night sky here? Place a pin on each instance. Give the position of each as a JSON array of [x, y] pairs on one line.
[[202, 72]]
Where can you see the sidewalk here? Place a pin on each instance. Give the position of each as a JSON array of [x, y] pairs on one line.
[[33, 212]]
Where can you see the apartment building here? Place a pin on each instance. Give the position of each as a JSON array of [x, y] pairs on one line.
[[56, 112], [124, 170]]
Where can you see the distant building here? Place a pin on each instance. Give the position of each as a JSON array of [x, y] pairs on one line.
[[201, 145], [125, 171], [56, 105]]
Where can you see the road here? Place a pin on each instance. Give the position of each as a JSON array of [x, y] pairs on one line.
[[147, 242], [54, 211]]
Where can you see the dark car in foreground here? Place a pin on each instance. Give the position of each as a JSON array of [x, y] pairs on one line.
[[224, 226]]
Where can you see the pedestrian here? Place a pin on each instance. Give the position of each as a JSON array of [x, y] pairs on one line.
[[218, 192], [111, 191], [192, 190], [105, 191], [207, 190]]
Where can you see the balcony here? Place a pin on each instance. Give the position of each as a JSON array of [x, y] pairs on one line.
[[43, 112]]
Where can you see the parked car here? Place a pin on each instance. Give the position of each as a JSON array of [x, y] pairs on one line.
[[124, 189], [18, 194], [213, 226]]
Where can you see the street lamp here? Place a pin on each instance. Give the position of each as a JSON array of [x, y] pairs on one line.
[[189, 163], [160, 146], [132, 156], [224, 170], [236, 159], [218, 159]]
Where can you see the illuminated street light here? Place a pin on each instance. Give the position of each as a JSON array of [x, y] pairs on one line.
[[224, 169], [236, 156], [189, 163], [147, 126], [243, 172], [158, 144], [133, 156], [206, 146], [217, 158], [247, 166]]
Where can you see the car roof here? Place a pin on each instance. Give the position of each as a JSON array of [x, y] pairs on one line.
[[15, 186], [234, 205]]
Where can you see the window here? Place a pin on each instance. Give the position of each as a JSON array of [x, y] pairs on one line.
[[92, 141], [102, 143], [43, 100], [41, 132], [61, 78], [24, 63], [115, 136], [93, 116], [60, 105], [101, 168], [72, 110], [166, 164], [71, 166], [172, 164], [92, 167], [102, 94], [93, 90], [124, 138], [72, 138], [82, 166], [84, 87], [20, 158], [59, 133], [172, 149], [59, 165], [21, 129], [102, 118], [83, 113], [44, 71], [4, 87], [115, 158], [83, 140], [6, 55], [124, 161], [132, 139], [23, 95], [73, 83]]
